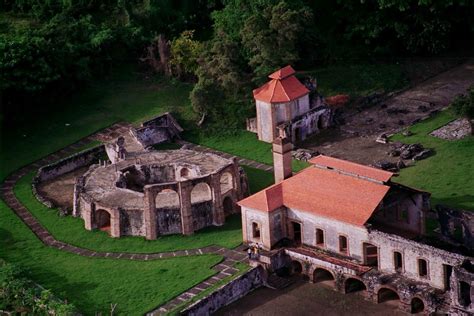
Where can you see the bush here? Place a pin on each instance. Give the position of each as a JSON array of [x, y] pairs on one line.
[[20, 295]]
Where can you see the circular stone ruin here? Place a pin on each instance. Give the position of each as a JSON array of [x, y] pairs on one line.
[[159, 193]]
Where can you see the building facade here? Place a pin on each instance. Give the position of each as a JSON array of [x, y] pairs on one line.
[[284, 103], [349, 223]]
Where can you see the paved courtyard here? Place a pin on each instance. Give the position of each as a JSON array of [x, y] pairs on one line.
[[303, 298]]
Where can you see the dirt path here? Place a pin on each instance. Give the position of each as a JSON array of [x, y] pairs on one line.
[[355, 140]]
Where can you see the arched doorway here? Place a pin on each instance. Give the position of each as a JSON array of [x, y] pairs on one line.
[[417, 305], [354, 285], [321, 275], [296, 267], [102, 219], [385, 295], [228, 205]]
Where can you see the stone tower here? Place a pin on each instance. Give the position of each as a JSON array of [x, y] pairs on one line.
[[282, 158]]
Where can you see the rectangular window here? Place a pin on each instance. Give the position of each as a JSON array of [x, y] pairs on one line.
[[343, 244], [423, 268], [447, 271], [255, 230], [319, 237], [397, 261], [371, 255]]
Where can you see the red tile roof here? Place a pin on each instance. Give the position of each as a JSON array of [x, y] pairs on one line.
[[352, 168], [322, 192], [282, 73], [283, 87]]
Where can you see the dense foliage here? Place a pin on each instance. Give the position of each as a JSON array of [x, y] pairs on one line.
[[464, 105], [228, 47], [20, 295]]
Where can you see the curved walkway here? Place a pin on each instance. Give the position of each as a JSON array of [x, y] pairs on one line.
[[225, 268]]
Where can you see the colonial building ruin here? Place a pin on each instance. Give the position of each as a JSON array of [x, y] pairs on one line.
[[159, 193], [351, 225], [284, 103]]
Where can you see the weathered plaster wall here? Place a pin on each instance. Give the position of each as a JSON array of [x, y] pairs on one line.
[[168, 221], [266, 127]]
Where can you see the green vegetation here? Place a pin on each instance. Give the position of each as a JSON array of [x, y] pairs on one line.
[[258, 179], [93, 284], [20, 295], [448, 174]]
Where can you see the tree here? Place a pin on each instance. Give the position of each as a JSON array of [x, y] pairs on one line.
[[185, 52], [271, 37], [464, 106]]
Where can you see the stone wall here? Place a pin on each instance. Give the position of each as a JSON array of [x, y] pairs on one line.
[[227, 294], [157, 130], [168, 221], [132, 223], [71, 163], [202, 214]]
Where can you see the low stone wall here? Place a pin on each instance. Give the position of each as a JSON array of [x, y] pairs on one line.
[[227, 294], [63, 166], [70, 163]]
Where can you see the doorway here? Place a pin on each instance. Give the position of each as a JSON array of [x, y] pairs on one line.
[[296, 232]]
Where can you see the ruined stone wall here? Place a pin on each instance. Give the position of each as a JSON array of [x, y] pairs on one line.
[[227, 293], [202, 214], [412, 251], [310, 123], [151, 135], [168, 221], [71, 163], [132, 223]]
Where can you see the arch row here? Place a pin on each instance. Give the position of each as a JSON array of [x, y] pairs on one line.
[[415, 303]]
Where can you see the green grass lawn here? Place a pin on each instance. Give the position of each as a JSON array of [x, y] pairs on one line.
[[449, 174], [93, 284]]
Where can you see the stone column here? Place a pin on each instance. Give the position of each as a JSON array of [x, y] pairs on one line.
[[218, 216], [282, 159], [115, 223], [149, 213], [87, 215], [187, 225]]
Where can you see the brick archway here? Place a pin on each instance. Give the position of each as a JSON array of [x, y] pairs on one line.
[[324, 276], [103, 220], [417, 305], [353, 285], [388, 295]]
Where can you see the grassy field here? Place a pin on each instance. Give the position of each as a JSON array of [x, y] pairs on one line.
[[449, 174], [93, 284]]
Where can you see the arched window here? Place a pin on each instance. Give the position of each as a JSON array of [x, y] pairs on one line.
[[201, 193], [422, 268], [167, 198], [319, 237], [397, 261], [227, 182], [184, 173]]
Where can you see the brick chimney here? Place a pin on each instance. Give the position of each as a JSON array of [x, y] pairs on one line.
[[282, 158]]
